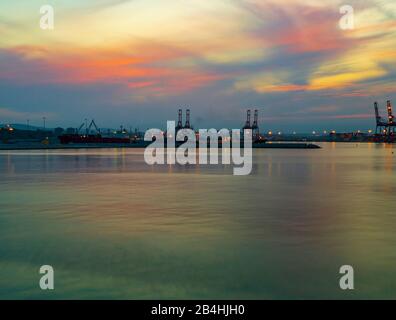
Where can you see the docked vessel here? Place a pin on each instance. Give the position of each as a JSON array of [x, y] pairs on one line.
[[98, 138], [95, 138]]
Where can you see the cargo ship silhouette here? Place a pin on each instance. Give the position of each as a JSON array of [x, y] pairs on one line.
[[97, 137]]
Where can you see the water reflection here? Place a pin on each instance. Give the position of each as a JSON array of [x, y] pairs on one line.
[[114, 227]]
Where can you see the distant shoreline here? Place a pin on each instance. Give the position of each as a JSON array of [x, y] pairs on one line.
[[142, 145]]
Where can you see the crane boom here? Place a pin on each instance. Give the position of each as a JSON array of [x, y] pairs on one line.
[[79, 129], [93, 124]]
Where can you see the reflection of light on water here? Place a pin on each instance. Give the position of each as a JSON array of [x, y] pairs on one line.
[[389, 160], [170, 230]]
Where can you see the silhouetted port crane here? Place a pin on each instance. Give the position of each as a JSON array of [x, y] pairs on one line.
[[385, 127], [88, 128], [248, 122], [188, 124], [381, 123], [255, 130], [180, 120], [255, 127]]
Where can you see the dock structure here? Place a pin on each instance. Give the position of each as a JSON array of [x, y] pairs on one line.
[[385, 127], [248, 125], [180, 120], [255, 127], [187, 124]]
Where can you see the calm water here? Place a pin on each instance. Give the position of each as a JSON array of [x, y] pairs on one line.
[[113, 227]]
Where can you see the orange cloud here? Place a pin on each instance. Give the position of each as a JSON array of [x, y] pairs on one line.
[[152, 69], [301, 27], [286, 88]]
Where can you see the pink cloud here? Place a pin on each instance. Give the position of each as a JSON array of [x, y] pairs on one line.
[[301, 28], [150, 70]]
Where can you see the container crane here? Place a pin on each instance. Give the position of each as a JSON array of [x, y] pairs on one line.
[[248, 122], [180, 120], [381, 123], [188, 124]]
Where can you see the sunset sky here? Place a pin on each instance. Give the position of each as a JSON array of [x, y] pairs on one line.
[[136, 62]]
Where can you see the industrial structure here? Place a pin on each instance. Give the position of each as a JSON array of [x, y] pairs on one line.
[[384, 127], [247, 123], [94, 136], [88, 127], [187, 124], [255, 127], [180, 120]]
